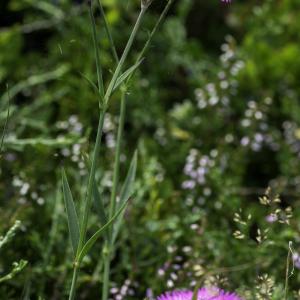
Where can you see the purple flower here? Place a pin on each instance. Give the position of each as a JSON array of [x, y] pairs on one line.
[[296, 259], [211, 293], [271, 218], [226, 1]]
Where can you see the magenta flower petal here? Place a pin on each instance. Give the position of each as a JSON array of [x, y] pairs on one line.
[[212, 293]]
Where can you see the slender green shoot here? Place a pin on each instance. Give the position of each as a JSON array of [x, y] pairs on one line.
[[123, 80], [97, 56], [91, 181], [6, 122], [108, 32], [288, 274]]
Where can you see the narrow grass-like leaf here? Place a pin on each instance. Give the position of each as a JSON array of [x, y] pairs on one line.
[[99, 204], [90, 82], [71, 212], [6, 122], [126, 51], [89, 244], [126, 74], [97, 56], [127, 188], [126, 193], [108, 32]]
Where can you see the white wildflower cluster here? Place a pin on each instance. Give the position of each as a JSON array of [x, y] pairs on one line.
[[219, 93], [198, 170], [25, 192], [186, 266], [126, 290], [256, 118], [73, 127], [291, 133]]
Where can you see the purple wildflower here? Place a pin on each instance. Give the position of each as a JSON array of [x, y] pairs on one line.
[[212, 293], [296, 259], [271, 218], [226, 1]]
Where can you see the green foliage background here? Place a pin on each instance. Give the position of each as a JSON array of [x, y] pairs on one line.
[[220, 79]]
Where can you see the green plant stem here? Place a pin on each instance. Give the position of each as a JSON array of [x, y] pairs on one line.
[[116, 172], [108, 32], [106, 272], [107, 253], [287, 270], [73, 285], [83, 225], [108, 244], [124, 56], [108, 249], [155, 28]]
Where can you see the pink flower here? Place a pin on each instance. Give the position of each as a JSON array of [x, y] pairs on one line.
[[212, 293]]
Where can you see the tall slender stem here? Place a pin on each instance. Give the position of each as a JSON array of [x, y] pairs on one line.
[[287, 271], [83, 226], [108, 32], [108, 244], [124, 56], [117, 155], [73, 285], [108, 249], [106, 272], [154, 30], [107, 253], [87, 206]]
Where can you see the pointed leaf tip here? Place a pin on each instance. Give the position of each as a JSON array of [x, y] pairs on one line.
[[72, 217]]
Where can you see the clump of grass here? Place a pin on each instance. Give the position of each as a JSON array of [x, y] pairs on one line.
[[111, 220]]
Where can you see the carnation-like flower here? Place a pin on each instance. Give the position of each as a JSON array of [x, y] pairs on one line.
[[211, 293]]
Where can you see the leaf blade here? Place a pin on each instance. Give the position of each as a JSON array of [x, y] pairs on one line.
[[97, 55], [126, 192], [126, 74], [89, 244], [72, 217], [99, 205], [127, 188]]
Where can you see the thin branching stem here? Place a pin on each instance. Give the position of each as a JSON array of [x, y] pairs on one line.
[[124, 56], [83, 225], [109, 243], [6, 122], [108, 249], [108, 32], [287, 271]]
